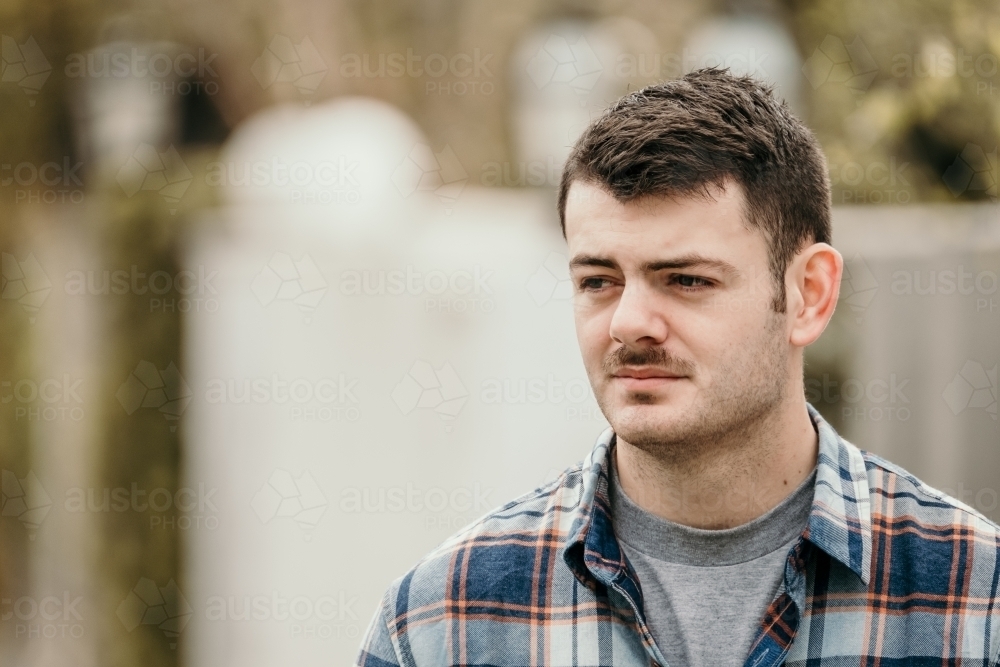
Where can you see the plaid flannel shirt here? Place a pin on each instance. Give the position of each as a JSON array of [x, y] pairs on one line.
[[888, 572]]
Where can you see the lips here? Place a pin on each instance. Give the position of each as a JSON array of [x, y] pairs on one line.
[[647, 374], [645, 379]]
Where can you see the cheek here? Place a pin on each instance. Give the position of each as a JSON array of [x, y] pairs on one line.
[[737, 339], [593, 332], [710, 338]]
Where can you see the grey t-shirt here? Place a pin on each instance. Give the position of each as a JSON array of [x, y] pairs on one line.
[[705, 592]]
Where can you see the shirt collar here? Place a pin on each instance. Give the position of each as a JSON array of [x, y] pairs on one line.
[[839, 522]]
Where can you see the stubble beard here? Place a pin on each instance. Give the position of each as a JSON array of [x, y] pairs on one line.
[[733, 413]]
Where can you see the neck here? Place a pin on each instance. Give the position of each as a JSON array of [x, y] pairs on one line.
[[730, 482]]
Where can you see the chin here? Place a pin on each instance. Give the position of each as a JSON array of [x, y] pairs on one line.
[[637, 422]]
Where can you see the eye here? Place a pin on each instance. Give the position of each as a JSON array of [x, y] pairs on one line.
[[690, 282], [593, 283]]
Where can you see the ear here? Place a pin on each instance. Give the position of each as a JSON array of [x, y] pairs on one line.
[[812, 284]]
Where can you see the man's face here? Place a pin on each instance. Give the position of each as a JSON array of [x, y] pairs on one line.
[[672, 301]]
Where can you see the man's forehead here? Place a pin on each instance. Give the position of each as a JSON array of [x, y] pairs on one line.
[[594, 215]]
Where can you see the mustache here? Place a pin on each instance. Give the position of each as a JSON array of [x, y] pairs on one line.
[[650, 356]]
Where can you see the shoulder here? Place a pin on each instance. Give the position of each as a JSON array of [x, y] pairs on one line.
[[496, 550], [899, 496]]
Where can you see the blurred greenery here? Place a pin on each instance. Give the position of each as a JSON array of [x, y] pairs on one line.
[[936, 88], [142, 448]]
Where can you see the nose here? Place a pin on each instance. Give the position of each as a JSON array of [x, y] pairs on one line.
[[639, 320]]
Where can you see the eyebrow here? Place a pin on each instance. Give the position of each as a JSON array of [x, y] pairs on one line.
[[689, 261]]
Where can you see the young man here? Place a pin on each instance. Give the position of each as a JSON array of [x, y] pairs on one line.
[[720, 521]]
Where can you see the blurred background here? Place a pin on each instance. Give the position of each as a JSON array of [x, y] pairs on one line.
[[284, 300]]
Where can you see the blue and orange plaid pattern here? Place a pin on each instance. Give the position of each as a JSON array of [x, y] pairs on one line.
[[889, 572]]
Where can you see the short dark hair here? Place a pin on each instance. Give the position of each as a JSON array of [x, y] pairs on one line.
[[706, 128]]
